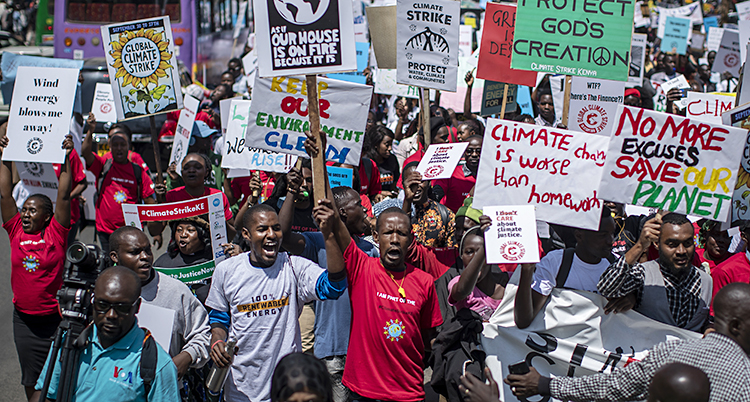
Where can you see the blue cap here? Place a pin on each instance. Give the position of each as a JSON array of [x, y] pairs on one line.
[[202, 130]]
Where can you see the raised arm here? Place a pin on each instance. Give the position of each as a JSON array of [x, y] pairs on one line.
[[292, 242], [528, 301], [62, 207], [467, 99], [7, 203], [326, 217], [88, 142]]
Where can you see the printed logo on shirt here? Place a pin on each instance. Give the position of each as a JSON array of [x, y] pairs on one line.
[[263, 305], [120, 196], [30, 263], [394, 330], [122, 377]]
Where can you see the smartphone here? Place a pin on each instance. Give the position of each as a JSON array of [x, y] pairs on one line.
[[519, 368]]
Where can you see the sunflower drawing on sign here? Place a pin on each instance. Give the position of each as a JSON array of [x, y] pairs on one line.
[[142, 65]]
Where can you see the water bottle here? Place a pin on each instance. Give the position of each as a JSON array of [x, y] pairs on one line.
[[217, 376]]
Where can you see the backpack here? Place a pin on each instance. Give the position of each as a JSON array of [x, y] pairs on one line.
[[567, 262], [137, 171]]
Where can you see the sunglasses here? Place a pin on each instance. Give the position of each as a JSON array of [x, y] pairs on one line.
[[103, 307]]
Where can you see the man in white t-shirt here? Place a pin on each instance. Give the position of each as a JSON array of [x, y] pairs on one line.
[[582, 267], [257, 298]]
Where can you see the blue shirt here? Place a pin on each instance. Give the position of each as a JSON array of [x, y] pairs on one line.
[[113, 374], [332, 317]]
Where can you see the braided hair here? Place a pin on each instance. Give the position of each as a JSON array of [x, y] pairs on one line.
[[47, 207]]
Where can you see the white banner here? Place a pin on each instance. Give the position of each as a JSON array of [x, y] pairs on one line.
[[740, 117], [708, 107], [427, 43], [728, 55], [556, 170], [103, 106], [39, 178], [593, 104], [183, 131], [385, 84], [670, 162], [571, 336], [714, 38], [278, 122], [40, 114], [637, 59]]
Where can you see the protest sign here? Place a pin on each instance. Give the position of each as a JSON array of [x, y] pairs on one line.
[[497, 46], [10, 63], [570, 336], [743, 95], [678, 82], [740, 117], [427, 43], [363, 52], [440, 160], [300, 37], [743, 10], [385, 84], [560, 38], [637, 59], [676, 32], [512, 237], [744, 32], [593, 104], [235, 155], [183, 131], [224, 106], [340, 176], [671, 162], [103, 105], [250, 65], [465, 40], [691, 11], [714, 38], [523, 97], [240, 22], [708, 107], [710, 22], [142, 67], [728, 55], [40, 112], [89, 209], [39, 178], [382, 22], [455, 100], [159, 321], [278, 122], [527, 164], [211, 206], [492, 98]]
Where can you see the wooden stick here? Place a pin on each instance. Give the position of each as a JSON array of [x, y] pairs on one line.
[[424, 104], [318, 162], [155, 145], [566, 101], [505, 100], [234, 43]]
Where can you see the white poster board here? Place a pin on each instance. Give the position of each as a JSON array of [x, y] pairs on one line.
[[593, 104], [708, 107], [557, 170], [465, 40], [740, 117], [183, 131], [427, 43], [103, 106], [39, 178], [440, 160], [40, 114], [159, 321], [728, 55], [714, 38], [278, 122], [691, 11], [385, 84], [512, 237], [240, 23], [743, 11], [299, 37], [637, 59]]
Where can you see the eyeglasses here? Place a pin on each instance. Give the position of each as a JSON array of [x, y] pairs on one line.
[[103, 307], [470, 151]]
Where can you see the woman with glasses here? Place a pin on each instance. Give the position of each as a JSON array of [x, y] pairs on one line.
[[38, 239]]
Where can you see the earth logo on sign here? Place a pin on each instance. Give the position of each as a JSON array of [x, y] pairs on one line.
[[35, 145], [512, 250], [105, 108], [731, 60], [433, 171], [34, 169], [592, 119], [301, 12]]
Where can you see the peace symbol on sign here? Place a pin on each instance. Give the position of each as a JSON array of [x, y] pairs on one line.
[[601, 56]]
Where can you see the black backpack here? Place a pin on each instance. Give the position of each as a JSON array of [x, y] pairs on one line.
[[567, 262], [137, 171]]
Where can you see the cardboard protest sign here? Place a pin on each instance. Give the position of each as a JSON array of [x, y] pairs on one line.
[[740, 117], [142, 67], [543, 166], [382, 22], [676, 33], [637, 59], [235, 155], [40, 114], [340, 176], [492, 98], [593, 104], [714, 38], [497, 46], [39, 178], [671, 162], [183, 131], [301, 37], [427, 43], [211, 206], [708, 107], [728, 55], [278, 122], [103, 105], [440, 160], [512, 237], [11, 61], [691, 11], [588, 40]]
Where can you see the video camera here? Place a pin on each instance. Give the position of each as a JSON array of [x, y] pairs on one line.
[[83, 264]]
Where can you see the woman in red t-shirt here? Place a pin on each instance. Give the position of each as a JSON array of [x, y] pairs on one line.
[[38, 238]]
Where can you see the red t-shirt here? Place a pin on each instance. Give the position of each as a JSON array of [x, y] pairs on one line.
[[240, 187], [134, 157], [79, 176], [384, 359], [118, 187], [734, 269], [180, 194], [369, 186], [456, 188], [36, 262]]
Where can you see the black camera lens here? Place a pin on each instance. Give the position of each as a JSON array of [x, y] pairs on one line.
[[77, 253]]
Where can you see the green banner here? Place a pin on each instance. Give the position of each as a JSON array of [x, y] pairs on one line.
[[191, 274], [588, 38]]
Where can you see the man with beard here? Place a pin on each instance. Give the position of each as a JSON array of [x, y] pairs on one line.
[[453, 191], [669, 289], [433, 224]]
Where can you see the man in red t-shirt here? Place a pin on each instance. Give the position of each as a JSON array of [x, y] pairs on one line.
[[78, 175], [118, 186], [135, 157], [394, 313], [454, 190], [735, 268]]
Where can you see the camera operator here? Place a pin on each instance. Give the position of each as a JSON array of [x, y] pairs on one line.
[[130, 248], [38, 238], [111, 366]]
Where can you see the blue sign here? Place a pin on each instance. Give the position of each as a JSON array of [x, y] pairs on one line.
[[676, 32], [523, 97], [339, 176], [363, 53], [10, 62], [709, 22]]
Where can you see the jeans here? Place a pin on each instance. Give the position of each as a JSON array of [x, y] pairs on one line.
[[335, 366]]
